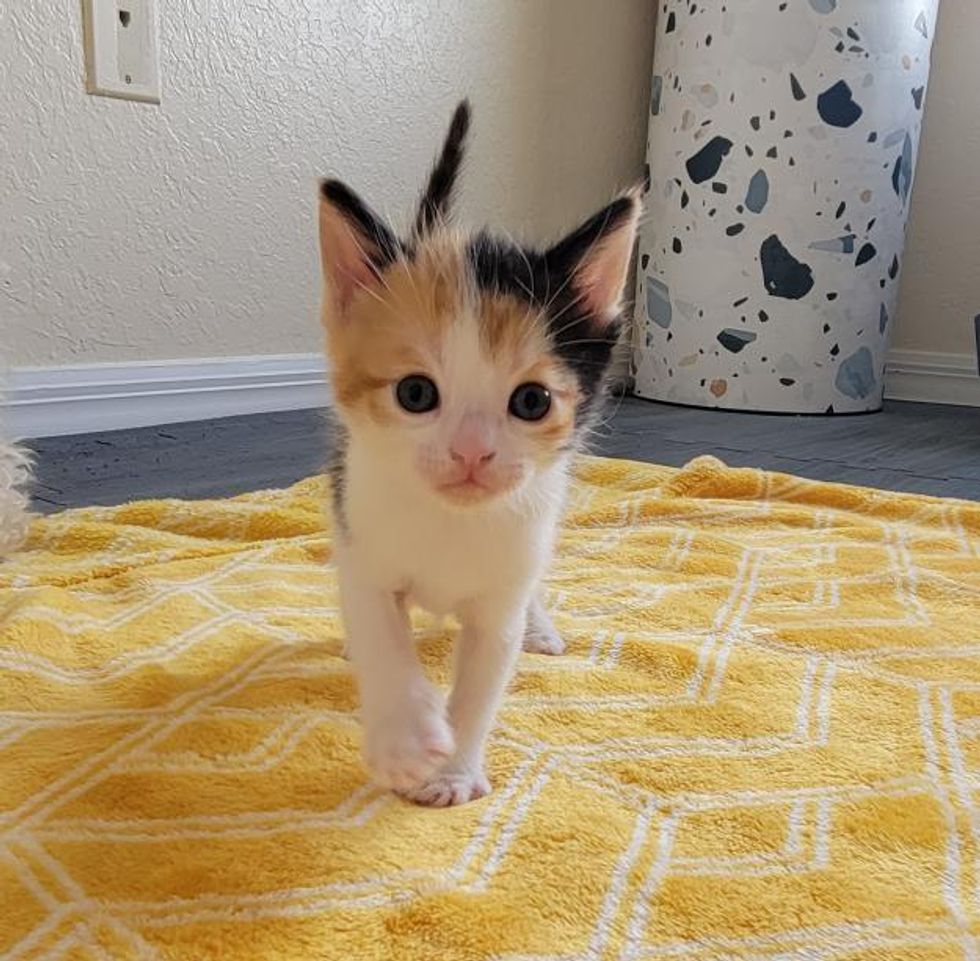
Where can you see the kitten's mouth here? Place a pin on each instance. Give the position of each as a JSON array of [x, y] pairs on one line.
[[472, 489], [468, 489]]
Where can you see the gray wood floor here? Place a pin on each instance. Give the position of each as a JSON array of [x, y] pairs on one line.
[[909, 447]]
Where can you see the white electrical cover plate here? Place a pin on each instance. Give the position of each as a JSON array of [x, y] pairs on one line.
[[122, 49]]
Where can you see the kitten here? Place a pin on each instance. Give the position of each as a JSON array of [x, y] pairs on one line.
[[465, 371]]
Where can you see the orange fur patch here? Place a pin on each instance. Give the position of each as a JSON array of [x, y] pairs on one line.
[[397, 325], [509, 328], [518, 341]]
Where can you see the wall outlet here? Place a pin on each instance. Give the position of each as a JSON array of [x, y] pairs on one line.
[[122, 49]]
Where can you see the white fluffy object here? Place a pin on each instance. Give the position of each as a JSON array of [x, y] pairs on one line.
[[14, 473]]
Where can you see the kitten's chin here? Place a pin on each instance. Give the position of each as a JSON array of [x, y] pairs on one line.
[[473, 493]]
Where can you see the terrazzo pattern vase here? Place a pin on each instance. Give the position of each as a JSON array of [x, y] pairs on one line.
[[781, 155]]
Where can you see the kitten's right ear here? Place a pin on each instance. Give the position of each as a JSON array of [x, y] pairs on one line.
[[596, 256], [355, 243]]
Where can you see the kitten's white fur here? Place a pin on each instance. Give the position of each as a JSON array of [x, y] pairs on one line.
[[482, 563]]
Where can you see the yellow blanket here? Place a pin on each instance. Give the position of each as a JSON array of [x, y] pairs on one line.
[[763, 743]]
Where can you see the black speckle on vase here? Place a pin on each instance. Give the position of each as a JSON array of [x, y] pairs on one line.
[[736, 340], [783, 275], [837, 106], [707, 161], [866, 253]]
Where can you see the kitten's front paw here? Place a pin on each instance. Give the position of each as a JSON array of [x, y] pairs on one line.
[[540, 637], [409, 742], [450, 788]]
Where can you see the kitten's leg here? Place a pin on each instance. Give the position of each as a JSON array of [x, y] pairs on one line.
[[406, 734], [540, 636], [485, 655]]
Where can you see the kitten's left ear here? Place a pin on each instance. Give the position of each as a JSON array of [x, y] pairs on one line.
[[596, 256], [356, 245]]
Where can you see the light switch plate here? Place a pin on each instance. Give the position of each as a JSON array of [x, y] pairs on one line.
[[122, 49]]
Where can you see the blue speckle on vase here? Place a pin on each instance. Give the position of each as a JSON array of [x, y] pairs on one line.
[[902, 175], [839, 245], [656, 95], [894, 138], [659, 309], [856, 376], [758, 193]]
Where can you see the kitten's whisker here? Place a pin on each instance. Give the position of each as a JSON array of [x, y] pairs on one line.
[[379, 274], [530, 293], [369, 290], [584, 341], [527, 263], [410, 275], [561, 313]]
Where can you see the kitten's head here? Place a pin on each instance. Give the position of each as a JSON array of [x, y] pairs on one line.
[[468, 364]]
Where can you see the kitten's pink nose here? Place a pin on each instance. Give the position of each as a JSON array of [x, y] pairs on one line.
[[472, 447]]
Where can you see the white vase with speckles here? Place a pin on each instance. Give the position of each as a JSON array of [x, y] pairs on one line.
[[781, 156]]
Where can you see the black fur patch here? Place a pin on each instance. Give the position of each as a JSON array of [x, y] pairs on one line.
[[337, 468], [546, 280]]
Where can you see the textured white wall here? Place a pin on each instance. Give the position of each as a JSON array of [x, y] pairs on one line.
[[941, 280], [133, 232]]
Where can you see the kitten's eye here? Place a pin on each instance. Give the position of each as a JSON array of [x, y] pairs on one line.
[[530, 402], [417, 394]]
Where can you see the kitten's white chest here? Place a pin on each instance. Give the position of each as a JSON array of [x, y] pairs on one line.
[[443, 558]]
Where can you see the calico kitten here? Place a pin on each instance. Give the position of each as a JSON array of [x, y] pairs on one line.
[[465, 370]]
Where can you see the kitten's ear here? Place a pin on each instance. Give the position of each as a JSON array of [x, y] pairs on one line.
[[355, 243], [596, 256], [438, 195]]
